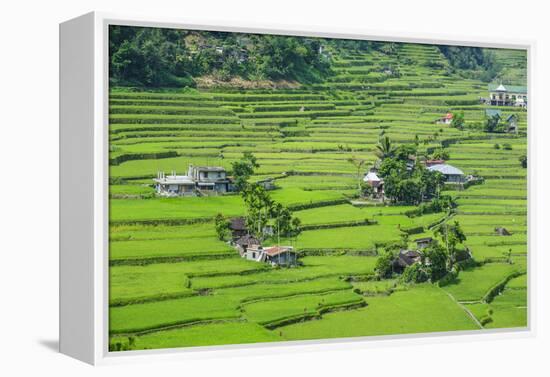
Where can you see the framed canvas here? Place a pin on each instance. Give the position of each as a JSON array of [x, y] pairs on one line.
[[228, 187]]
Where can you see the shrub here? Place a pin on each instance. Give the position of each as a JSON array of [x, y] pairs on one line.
[[523, 161], [415, 273], [384, 265]]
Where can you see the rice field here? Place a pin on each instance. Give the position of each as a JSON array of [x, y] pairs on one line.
[[173, 283]]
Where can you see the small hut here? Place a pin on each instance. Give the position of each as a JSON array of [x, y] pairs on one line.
[[406, 258], [245, 242], [237, 226], [424, 242], [501, 231]]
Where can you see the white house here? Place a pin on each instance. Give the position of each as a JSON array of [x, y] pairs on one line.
[[275, 255], [377, 183], [199, 180], [174, 185], [509, 95]]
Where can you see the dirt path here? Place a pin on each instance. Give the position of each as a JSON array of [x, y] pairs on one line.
[[473, 317]]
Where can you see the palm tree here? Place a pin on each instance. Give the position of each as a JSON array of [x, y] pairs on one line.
[[384, 148]]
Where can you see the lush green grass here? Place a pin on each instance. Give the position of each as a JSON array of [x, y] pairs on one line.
[[131, 283], [269, 311], [139, 317], [348, 238], [167, 248], [204, 335], [373, 287], [417, 310], [473, 284], [174, 208], [310, 133], [313, 268]]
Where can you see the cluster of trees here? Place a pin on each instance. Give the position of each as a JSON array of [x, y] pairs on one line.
[[243, 169], [437, 261], [458, 120], [494, 123], [474, 62], [405, 180], [523, 161], [156, 57], [261, 210]]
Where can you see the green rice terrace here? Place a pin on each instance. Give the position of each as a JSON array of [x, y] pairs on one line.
[[175, 282]]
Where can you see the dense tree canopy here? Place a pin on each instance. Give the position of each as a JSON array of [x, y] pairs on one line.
[[154, 57], [168, 57], [472, 61]]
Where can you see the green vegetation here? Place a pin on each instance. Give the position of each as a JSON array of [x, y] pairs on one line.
[[297, 122]]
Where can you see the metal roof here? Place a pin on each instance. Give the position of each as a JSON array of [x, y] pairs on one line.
[[446, 169], [372, 177], [276, 250], [493, 112], [508, 88]]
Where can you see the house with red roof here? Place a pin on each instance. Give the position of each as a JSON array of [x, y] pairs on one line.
[[447, 119], [275, 255]]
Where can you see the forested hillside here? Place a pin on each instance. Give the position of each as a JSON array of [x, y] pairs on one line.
[[176, 58]]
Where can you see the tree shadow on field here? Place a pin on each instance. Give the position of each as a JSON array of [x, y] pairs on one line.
[[51, 344]]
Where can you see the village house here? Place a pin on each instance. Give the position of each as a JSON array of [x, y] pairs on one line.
[[174, 185], [209, 178], [490, 113], [451, 174], [501, 231], [199, 180], [377, 183], [429, 163], [509, 95], [267, 184], [422, 243], [447, 119], [246, 242], [406, 258], [512, 124], [237, 226], [275, 255]]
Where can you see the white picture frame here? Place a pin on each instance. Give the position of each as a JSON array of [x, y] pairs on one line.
[[84, 190]]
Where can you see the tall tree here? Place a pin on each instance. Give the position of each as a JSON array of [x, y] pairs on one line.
[[384, 148], [243, 169], [452, 235]]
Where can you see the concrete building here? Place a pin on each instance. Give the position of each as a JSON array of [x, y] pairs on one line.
[[509, 95], [174, 185], [200, 180], [209, 178], [275, 255]]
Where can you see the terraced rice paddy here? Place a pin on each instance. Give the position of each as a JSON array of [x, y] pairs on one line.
[[174, 284]]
